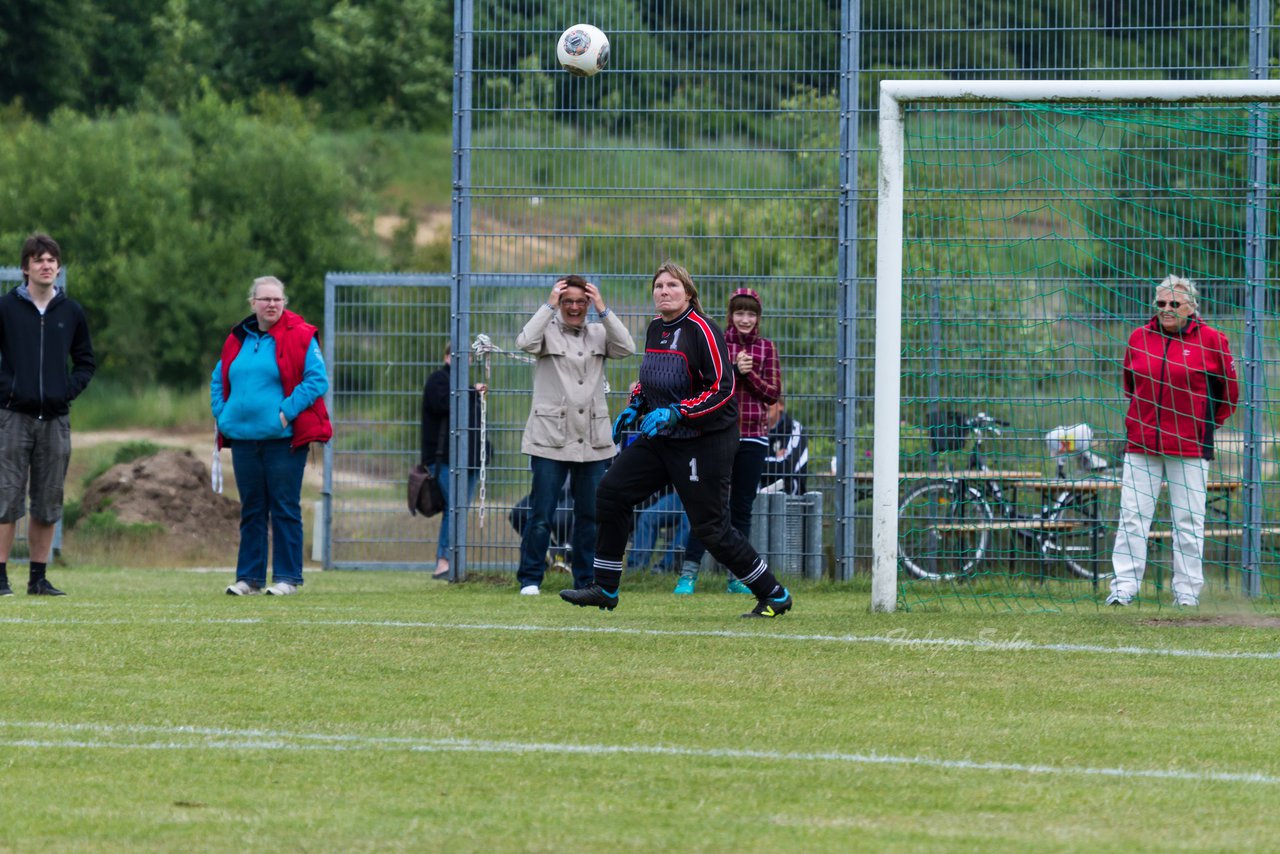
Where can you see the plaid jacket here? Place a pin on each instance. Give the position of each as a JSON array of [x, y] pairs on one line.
[[759, 388]]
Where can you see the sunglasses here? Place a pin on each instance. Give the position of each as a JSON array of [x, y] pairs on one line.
[[1171, 303]]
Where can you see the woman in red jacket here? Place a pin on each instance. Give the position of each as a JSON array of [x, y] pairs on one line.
[[1181, 383]]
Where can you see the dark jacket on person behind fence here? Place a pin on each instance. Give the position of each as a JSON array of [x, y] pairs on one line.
[[1181, 387], [34, 348], [434, 434], [787, 464]]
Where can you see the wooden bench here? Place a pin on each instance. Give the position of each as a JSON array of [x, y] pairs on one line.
[[1167, 533], [868, 477], [1051, 525], [1010, 525]]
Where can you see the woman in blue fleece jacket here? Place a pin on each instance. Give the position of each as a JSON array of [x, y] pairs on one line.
[[267, 395]]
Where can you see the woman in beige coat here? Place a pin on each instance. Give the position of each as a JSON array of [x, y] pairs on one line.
[[568, 434]]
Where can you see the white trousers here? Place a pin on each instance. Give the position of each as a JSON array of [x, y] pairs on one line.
[[1143, 475]]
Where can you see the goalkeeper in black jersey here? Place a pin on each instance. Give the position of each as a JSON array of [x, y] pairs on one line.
[[685, 410]]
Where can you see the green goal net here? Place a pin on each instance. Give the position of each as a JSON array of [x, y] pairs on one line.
[[1035, 238]]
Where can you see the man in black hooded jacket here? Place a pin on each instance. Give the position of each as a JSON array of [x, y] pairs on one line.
[[41, 328]]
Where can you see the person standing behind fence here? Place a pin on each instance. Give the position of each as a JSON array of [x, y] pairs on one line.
[[687, 413], [1181, 383], [435, 447], [267, 396], [787, 465], [568, 430], [41, 328], [759, 374]]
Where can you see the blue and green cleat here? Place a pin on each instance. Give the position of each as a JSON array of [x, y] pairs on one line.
[[772, 606]]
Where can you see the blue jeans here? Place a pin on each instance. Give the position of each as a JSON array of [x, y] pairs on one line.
[[269, 479], [665, 514], [441, 471], [548, 479]]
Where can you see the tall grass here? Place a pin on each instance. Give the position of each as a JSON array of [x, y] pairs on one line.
[[409, 168], [112, 405]]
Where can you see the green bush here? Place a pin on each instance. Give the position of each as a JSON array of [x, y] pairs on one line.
[[130, 451], [126, 453], [105, 526], [165, 222]]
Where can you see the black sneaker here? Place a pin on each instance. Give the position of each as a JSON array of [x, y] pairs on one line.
[[42, 587], [5, 589], [772, 607], [593, 595]]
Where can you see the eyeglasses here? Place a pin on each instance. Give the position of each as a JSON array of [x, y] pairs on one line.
[[268, 299], [574, 302], [1171, 303]]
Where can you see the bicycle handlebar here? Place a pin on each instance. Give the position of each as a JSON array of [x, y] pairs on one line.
[[982, 420]]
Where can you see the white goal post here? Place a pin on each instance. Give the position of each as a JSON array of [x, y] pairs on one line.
[[889, 251]]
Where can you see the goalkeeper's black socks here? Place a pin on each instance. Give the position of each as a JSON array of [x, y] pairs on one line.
[[763, 583], [609, 575]]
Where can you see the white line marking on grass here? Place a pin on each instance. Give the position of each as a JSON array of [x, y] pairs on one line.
[[892, 639], [251, 739]]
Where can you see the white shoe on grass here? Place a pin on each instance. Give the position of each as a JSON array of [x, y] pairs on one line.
[[530, 590], [282, 588], [243, 588]]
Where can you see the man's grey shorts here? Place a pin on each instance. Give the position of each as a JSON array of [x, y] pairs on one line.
[[42, 448]]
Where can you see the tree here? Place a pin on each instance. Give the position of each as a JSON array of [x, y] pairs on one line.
[[164, 223], [389, 62], [43, 56]]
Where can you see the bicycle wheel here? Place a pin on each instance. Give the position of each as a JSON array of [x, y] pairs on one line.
[[1082, 547], [943, 530]]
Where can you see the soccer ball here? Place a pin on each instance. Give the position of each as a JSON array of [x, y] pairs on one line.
[[583, 50]]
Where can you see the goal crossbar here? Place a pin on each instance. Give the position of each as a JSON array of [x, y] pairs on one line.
[[889, 250]]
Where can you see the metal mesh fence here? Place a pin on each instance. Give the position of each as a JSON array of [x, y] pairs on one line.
[[710, 140], [738, 140]]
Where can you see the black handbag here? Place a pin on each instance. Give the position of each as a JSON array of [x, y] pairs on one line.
[[425, 495]]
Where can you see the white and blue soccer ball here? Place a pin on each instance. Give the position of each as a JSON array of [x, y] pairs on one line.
[[583, 50]]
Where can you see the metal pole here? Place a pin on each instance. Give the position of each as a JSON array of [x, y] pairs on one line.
[[846, 543], [324, 528], [935, 356], [1255, 306], [460, 294]]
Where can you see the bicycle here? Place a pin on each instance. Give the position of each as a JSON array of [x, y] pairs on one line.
[[945, 525]]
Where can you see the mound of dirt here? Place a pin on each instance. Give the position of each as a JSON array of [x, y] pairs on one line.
[[170, 489]]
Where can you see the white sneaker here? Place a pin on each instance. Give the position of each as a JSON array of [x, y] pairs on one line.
[[530, 590], [282, 588], [243, 588], [1117, 599], [1186, 602]]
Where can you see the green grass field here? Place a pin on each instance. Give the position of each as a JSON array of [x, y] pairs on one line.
[[384, 711]]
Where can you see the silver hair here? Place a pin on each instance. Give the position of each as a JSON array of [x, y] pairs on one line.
[[1182, 285], [267, 280]]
